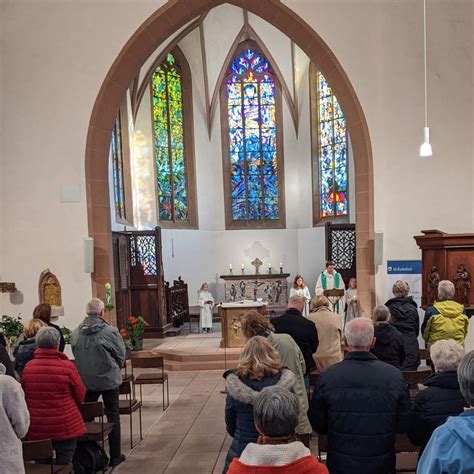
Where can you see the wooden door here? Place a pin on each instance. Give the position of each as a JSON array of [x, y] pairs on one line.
[[341, 249], [121, 277]]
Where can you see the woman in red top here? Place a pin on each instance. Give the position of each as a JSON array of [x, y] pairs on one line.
[[54, 392]]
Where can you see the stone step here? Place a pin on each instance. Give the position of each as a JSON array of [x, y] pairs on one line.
[[175, 366], [168, 355]]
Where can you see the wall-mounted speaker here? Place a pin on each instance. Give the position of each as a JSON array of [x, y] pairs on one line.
[[89, 255], [378, 248]]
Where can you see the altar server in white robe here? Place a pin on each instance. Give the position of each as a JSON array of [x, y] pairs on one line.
[[300, 289], [330, 279], [206, 303]]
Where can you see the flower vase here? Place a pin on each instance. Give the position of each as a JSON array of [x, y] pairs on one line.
[[138, 346]]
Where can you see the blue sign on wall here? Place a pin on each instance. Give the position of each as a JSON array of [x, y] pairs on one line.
[[404, 267]]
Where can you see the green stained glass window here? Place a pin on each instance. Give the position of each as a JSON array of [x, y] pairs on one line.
[[117, 166], [332, 153], [167, 103]]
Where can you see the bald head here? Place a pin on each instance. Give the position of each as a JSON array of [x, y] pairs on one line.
[[359, 334], [296, 302]]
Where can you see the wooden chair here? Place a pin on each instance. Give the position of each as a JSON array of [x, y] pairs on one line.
[[95, 431], [40, 451], [407, 454], [126, 377], [322, 446], [149, 361], [313, 377], [425, 355], [413, 377], [129, 406]]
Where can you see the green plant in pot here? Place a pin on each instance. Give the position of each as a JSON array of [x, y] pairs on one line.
[[133, 331], [12, 329], [66, 334]]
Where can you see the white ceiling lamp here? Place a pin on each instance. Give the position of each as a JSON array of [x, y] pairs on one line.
[[425, 149]]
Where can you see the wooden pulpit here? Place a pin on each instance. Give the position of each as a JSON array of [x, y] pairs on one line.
[[447, 257], [334, 296]]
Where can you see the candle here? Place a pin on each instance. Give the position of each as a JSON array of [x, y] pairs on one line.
[[242, 266], [281, 265], [108, 294], [269, 265], [230, 266]]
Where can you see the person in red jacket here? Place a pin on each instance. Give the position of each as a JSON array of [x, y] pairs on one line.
[[277, 450], [54, 392]]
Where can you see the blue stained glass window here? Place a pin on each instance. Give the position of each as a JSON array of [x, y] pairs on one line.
[[167, 99], [251, 113], [117, 168], [332, 153]]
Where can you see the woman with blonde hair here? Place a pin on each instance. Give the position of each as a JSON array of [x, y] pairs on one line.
[[24, 352], [328, 325], [259, 367]]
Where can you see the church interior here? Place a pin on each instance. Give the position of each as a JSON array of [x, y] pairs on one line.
[[207, 167]]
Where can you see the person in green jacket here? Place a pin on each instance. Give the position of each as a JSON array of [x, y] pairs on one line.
[[448, 323]]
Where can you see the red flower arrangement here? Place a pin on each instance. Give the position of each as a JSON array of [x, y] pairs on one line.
[[133, 330]]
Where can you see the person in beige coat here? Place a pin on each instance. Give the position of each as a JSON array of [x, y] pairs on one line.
[[328, 325]]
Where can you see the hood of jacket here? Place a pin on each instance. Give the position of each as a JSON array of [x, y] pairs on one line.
[[385, 333], [448, 379], [462, 427], [245, 394], [92, 325], [273, 454], [449, 308]]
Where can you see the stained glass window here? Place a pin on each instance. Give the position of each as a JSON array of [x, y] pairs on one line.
[[252, 140], [117, 166], [332, 152], [167, 100]]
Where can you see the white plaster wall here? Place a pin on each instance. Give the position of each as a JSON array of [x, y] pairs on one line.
[[56, 54]]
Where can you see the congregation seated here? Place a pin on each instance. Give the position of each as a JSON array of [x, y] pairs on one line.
[[451, 446], [44, 313], [5, 357], [277, 449], [301, 329], [259, 367], [404, 316], [446, 318], [255, 324], [328, 326], [25, 350], [442, 397], [14, 422], [360, 403], [388, 345], [54, 392]]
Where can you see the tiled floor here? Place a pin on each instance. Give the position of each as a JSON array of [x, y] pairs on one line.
[[189, 437]]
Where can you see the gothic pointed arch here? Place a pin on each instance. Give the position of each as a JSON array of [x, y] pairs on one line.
[[252, 148]]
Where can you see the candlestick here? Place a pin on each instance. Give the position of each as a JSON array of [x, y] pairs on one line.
[[242, 268], [270, 268], [230, 268], [281, 268]]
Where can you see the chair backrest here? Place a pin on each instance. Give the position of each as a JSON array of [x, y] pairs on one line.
[[147, 362], [416, 376], [404, 445], [91, 410], [125, 388], [35, 450], [425, 354]]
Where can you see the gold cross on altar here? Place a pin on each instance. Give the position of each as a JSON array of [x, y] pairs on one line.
[[257, 263]]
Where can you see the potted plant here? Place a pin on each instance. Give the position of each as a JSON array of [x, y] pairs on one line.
[[12, 329], [133, 331]]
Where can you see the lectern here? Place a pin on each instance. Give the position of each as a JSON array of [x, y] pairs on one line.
[[230, 314], [334, 296]]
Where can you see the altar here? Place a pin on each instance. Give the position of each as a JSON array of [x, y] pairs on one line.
[[271, 288], [230, 315]]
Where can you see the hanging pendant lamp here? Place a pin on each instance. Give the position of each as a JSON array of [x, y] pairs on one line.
[[425, 149]]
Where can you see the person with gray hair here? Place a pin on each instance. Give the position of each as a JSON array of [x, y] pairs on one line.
[[404, 316], [99, 351], [360, 403], [54, 393], [388, 345], [276, 415], [446, 318], [442, 397], [451, 446]]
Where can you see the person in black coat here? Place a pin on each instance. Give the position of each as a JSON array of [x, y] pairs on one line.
[[24, 352], [259, 367], [302, 330], [43, 312], [388, 345], [5, 358], [442, 398], [360, 403], [404, 316]]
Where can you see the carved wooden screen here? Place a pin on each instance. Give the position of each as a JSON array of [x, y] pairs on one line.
[[121, 277], [341, 248], [147, 287]]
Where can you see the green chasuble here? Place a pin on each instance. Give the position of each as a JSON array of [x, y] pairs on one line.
[[324, 282]]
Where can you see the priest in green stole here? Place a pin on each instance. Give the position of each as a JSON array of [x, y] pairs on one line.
[[330, 279]]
